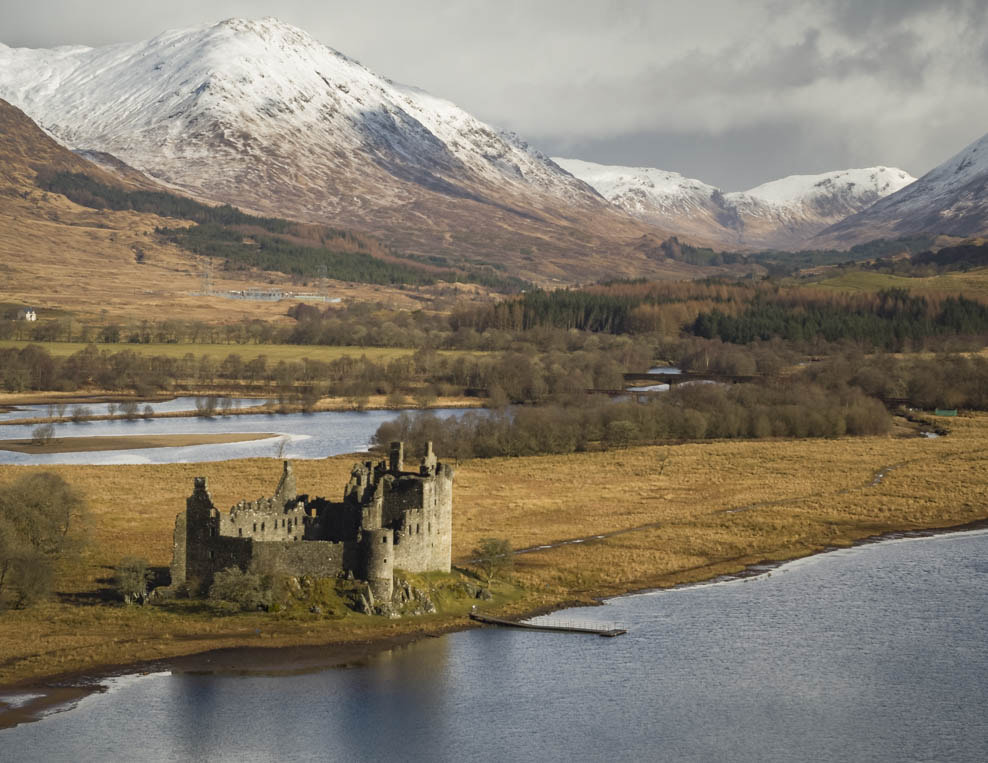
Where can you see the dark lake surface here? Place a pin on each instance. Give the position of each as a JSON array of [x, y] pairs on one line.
[[878, 653]]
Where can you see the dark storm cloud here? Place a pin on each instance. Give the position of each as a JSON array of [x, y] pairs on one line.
[[857, 17], [735, 92]]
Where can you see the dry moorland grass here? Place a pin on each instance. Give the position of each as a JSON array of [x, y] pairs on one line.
[[669, 514], [272, 352]]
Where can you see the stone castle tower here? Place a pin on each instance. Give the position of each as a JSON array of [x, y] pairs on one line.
[[390, 518]]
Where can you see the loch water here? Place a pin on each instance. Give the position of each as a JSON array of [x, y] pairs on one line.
[[294, 435], [876, 653]]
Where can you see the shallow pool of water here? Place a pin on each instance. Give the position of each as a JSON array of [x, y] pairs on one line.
[[297, 435]]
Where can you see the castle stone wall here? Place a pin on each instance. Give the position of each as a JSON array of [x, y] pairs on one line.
[[319, 558]]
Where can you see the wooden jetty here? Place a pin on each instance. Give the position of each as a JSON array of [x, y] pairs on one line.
[[609, 632]]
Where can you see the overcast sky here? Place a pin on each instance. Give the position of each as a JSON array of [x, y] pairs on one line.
[[734, 92]]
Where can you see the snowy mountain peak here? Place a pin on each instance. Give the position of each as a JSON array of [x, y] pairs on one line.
[[242, 84], [641, 189], [855, 186], [959, 170], [777, 214]]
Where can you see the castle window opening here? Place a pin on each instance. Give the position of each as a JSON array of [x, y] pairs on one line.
[[262, 527], [240, 532], [255, 527], [384, 540]]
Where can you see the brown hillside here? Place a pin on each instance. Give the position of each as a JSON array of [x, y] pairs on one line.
[[55, 254], [25, 150]]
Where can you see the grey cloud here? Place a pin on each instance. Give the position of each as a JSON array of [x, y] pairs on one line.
[[862, 17], [732, 159], [734, 92]]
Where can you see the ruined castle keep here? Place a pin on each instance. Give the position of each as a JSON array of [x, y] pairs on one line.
[[389, 519]]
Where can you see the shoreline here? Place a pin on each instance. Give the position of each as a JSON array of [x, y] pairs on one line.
[[61, 692]]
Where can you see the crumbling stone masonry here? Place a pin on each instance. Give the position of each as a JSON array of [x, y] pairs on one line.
[[389, 519]]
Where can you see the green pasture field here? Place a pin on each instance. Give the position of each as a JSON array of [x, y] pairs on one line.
[[973, 283]]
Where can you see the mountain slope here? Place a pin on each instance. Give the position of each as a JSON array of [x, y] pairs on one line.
[[258, 114], [25, 150], [56, 255], [777, 215], [951, 199]]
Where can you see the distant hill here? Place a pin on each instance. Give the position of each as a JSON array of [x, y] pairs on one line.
[[781, 214], [25, 151]]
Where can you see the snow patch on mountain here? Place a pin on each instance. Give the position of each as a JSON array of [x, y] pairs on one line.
[[831, 196], [641, 189]]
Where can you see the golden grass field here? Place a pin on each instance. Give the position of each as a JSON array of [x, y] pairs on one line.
[[680, 513], [273, 352]]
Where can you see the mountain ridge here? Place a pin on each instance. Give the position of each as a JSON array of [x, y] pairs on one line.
[[779, 214], [951, 199]]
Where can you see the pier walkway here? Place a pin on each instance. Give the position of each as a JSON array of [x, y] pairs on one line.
[[610, 632]]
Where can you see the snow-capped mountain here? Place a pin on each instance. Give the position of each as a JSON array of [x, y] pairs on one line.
[[950, 199], [780, 214], [642, 190], [258, 113]]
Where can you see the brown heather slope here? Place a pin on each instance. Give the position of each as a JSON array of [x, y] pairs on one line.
[[25, 150], [55, 254]]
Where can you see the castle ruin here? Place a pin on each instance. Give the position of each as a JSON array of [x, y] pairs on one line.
[[389, 519]]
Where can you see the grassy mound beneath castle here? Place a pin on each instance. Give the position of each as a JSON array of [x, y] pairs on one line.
[[308, 599], [648, 517]]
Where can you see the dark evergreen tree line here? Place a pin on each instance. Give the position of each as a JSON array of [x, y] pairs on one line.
[[891, 320], [269, 253], [83, 190]]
